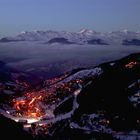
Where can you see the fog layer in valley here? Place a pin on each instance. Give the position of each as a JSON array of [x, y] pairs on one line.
[[55, 59]]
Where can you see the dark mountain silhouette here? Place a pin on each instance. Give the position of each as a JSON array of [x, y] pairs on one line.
[[5, 40], [135, 42], [59, 40], [97, 42]]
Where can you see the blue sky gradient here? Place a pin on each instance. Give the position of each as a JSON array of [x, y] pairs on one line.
[[70, 15]]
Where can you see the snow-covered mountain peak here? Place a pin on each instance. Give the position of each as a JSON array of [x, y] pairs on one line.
[[23, 32], [86, 31], [125, 31]]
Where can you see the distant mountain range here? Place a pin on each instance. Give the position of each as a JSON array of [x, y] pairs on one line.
[[82, 37]]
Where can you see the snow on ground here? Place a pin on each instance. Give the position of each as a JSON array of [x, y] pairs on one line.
[[84, 74]]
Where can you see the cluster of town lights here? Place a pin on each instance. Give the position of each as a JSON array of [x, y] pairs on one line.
[[29, 107]]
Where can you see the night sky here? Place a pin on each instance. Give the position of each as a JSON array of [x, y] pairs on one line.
[[69, 15]]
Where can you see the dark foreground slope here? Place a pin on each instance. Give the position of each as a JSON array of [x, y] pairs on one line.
[[106, 108], [10, 130], [109, 93]]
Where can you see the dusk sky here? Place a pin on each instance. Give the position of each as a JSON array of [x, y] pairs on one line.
[[69, 15]]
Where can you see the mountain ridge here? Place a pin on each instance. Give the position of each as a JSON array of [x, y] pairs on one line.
[[82, 37]]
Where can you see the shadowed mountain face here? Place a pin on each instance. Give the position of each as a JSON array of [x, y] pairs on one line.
[[97, 42], [135, 42], [59, 40], [106, 103], [6, 40], [109, 93]]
